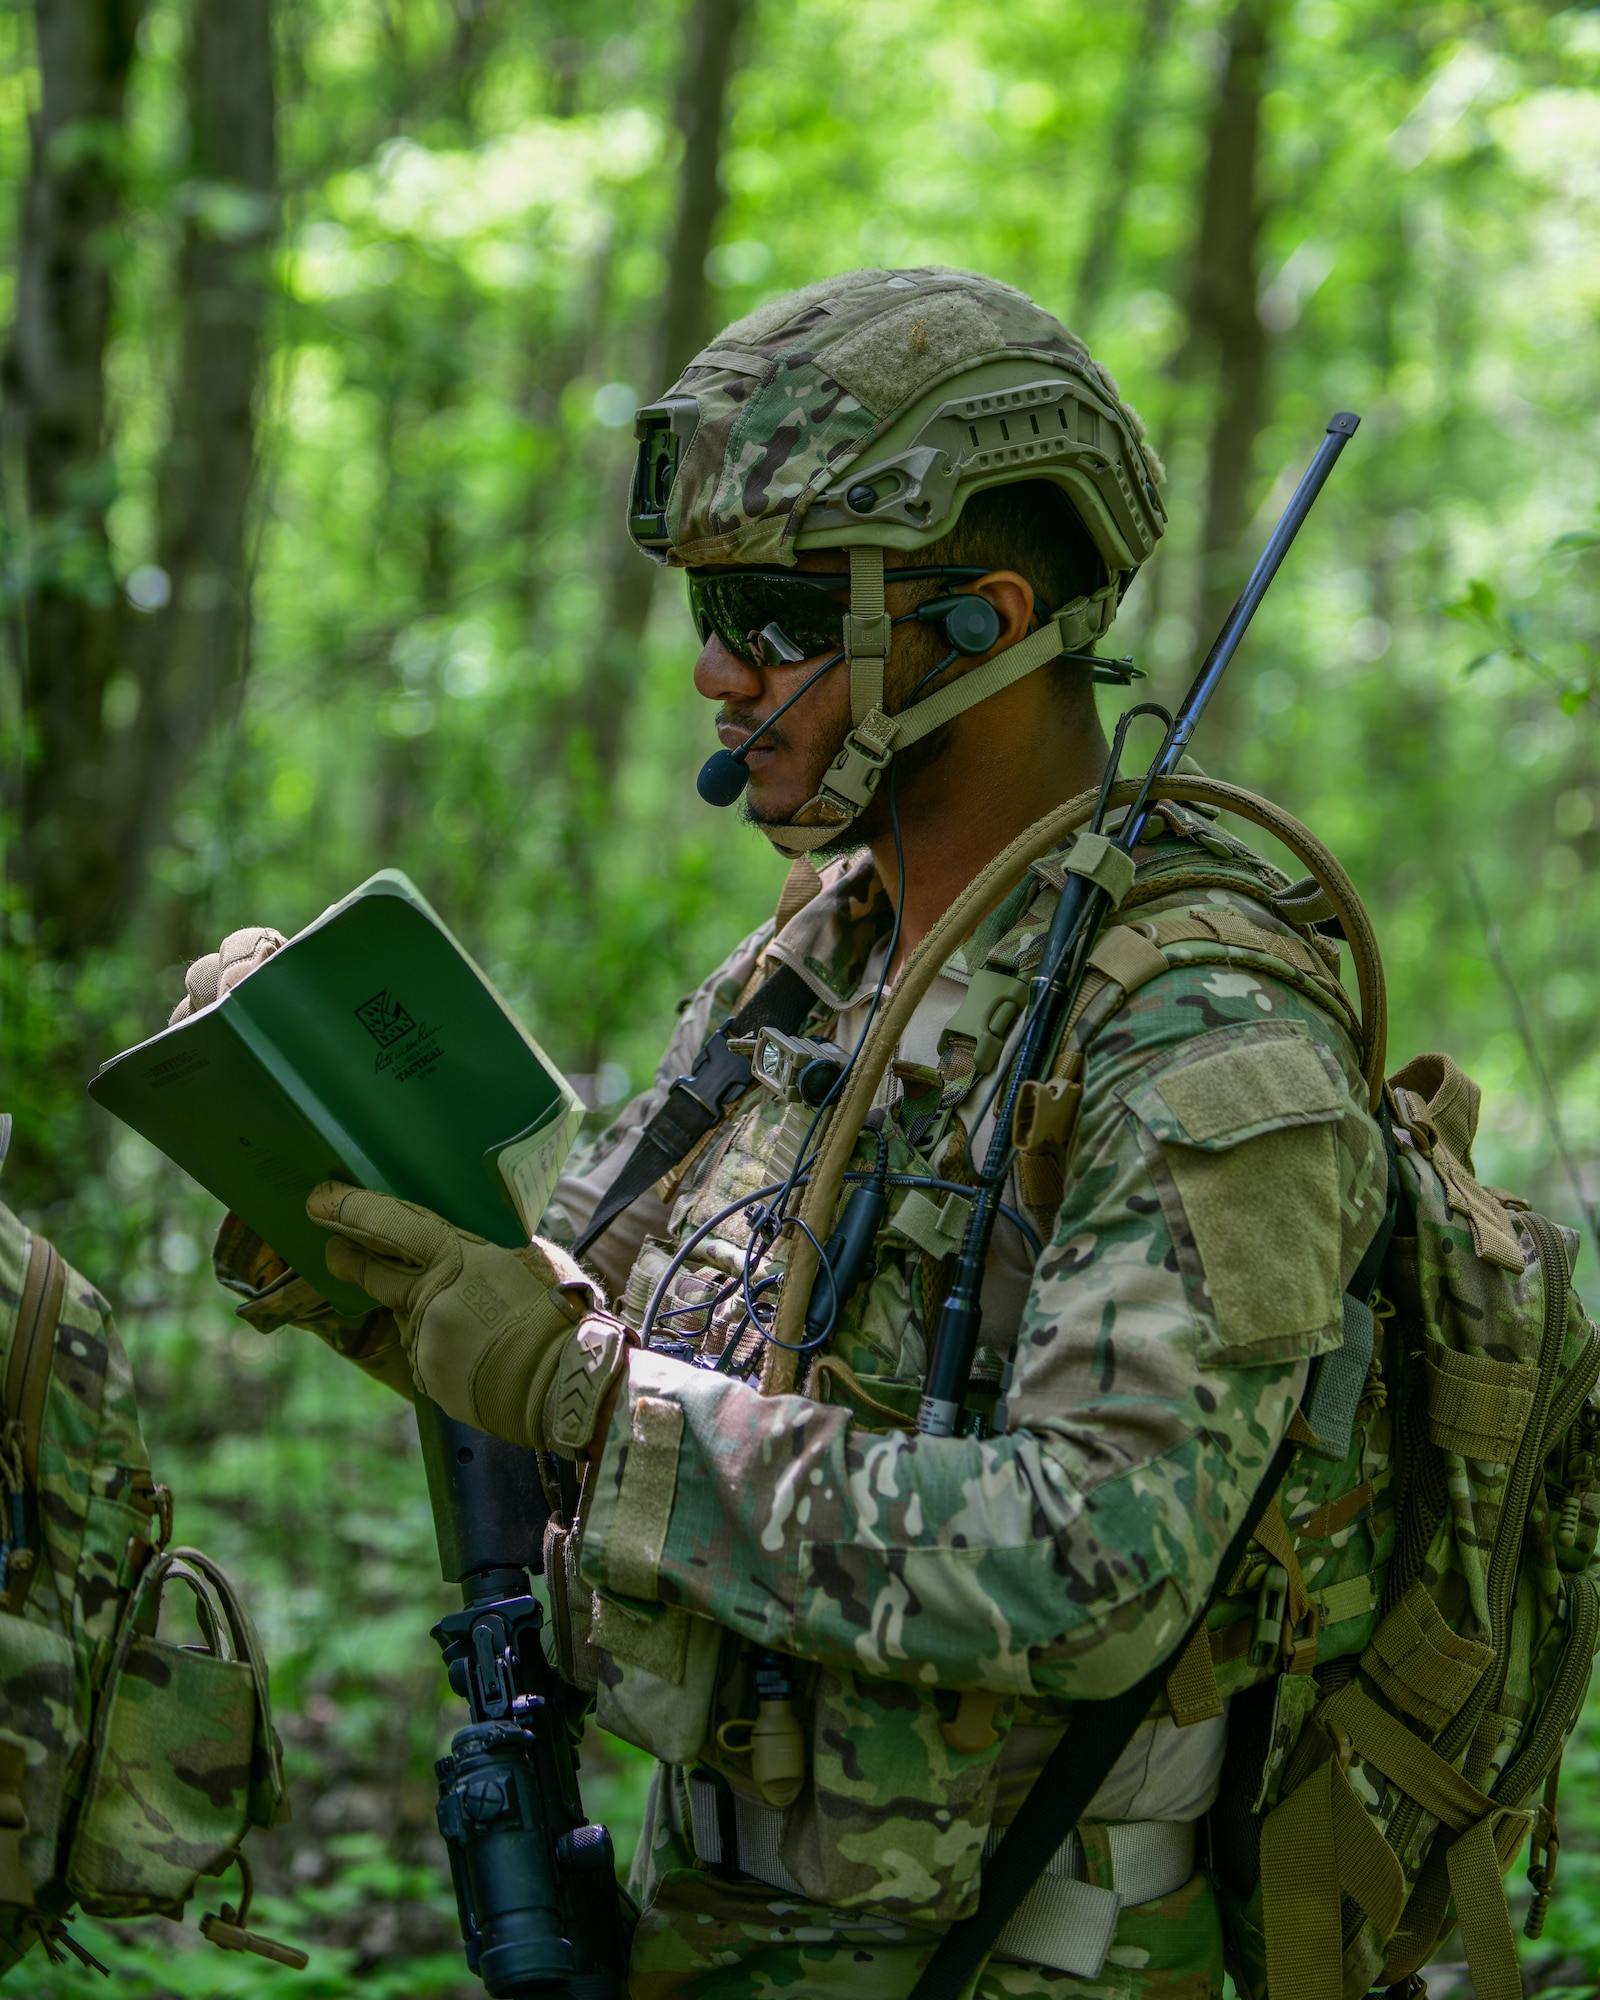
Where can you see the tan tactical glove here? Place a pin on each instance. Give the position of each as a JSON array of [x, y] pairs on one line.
[[241, 952], [484, 1328], [273, 1296]]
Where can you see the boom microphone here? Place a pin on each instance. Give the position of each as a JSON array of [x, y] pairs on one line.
[[724, 774]]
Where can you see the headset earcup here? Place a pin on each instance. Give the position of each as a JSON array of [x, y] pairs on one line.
[[972, 625]]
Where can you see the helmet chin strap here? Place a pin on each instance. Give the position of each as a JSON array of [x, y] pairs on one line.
[[851, 779]]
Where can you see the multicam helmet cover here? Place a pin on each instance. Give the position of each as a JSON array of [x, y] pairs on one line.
[[862, 413], [868, 408]]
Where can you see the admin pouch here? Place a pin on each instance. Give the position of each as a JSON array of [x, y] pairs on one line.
[[130, 1764], [1408, 1645]]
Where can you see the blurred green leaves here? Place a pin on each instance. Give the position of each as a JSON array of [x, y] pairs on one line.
[[477, 208]]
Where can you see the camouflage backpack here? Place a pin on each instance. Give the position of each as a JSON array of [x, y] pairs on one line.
[[1426, 1612], [130, 1764], [1409, 1645]]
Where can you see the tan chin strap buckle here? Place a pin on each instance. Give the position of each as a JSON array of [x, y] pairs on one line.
[[853, 775]]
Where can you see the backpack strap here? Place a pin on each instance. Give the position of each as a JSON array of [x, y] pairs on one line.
[[33, 1346], [1343, 904]]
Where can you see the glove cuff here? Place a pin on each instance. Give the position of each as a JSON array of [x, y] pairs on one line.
[[591, 1364]]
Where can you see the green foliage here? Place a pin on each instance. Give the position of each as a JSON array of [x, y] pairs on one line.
[[478, 212]]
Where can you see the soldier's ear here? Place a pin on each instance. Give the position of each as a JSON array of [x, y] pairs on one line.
[[1011, 594]]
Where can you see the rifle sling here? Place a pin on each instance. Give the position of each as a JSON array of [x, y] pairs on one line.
[[1095, 1738], [703, 1098]]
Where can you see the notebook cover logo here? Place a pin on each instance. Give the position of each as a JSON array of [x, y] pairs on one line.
[[384, 1018]]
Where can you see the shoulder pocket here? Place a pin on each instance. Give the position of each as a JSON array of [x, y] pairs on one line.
[[1238, 1131]]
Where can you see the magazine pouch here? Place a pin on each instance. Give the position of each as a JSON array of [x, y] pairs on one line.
[[184, 1757], [657, 1675]]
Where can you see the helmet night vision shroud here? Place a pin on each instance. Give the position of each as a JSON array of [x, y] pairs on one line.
[[861, 414]]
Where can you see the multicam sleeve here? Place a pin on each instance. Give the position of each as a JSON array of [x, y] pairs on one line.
[[1226, 1178]]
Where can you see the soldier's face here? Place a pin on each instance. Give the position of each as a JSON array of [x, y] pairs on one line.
[[787, 763]]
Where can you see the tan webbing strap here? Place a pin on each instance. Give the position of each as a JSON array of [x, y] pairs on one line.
[[1122, 957], [1480, 1899], [1324, 1522], [977, 684], [1420, 1665], [1231, 928], [1451, 1097], [1299, 1431], [1422, 1774], [866, 633], [1477, 1406], [1473, 1858], [1318, 1845], [1192, 1691], [1300, 1618], [1493, 1235], [802, 885], [1427, 1913], [1127, 956]]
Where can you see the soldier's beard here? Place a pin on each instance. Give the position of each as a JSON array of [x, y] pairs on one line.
[[908, 666], [873, 822]]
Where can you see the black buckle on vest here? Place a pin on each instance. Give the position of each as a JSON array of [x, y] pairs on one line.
[[718, 1076]]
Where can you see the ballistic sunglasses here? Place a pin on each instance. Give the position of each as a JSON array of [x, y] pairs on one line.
[[769, 615]]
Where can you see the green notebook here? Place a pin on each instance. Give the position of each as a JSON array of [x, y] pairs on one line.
[[369, 1049]]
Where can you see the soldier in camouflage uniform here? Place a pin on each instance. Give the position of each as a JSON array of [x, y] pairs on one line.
[[853, 1645]]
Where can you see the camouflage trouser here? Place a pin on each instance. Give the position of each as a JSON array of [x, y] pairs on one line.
[[704, 1938]]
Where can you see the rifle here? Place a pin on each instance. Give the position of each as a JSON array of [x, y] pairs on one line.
[[536, 1886], [1082, 908]]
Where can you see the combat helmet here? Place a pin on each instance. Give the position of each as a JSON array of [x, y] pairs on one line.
[[861, 414]]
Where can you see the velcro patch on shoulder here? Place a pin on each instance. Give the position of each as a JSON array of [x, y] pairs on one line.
[[1249, 1082], [1246, 1159]]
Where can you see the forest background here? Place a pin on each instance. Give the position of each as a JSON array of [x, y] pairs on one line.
[[325, 324]]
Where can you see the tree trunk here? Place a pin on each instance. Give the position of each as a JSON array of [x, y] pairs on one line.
[[1122, 160], [95, 798], [192, 654], [1225, 328], [701, 110], [69, 628], [595, 724], [710, 34]]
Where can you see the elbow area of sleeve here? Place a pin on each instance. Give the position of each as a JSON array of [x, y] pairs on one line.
[[949, 1562]]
